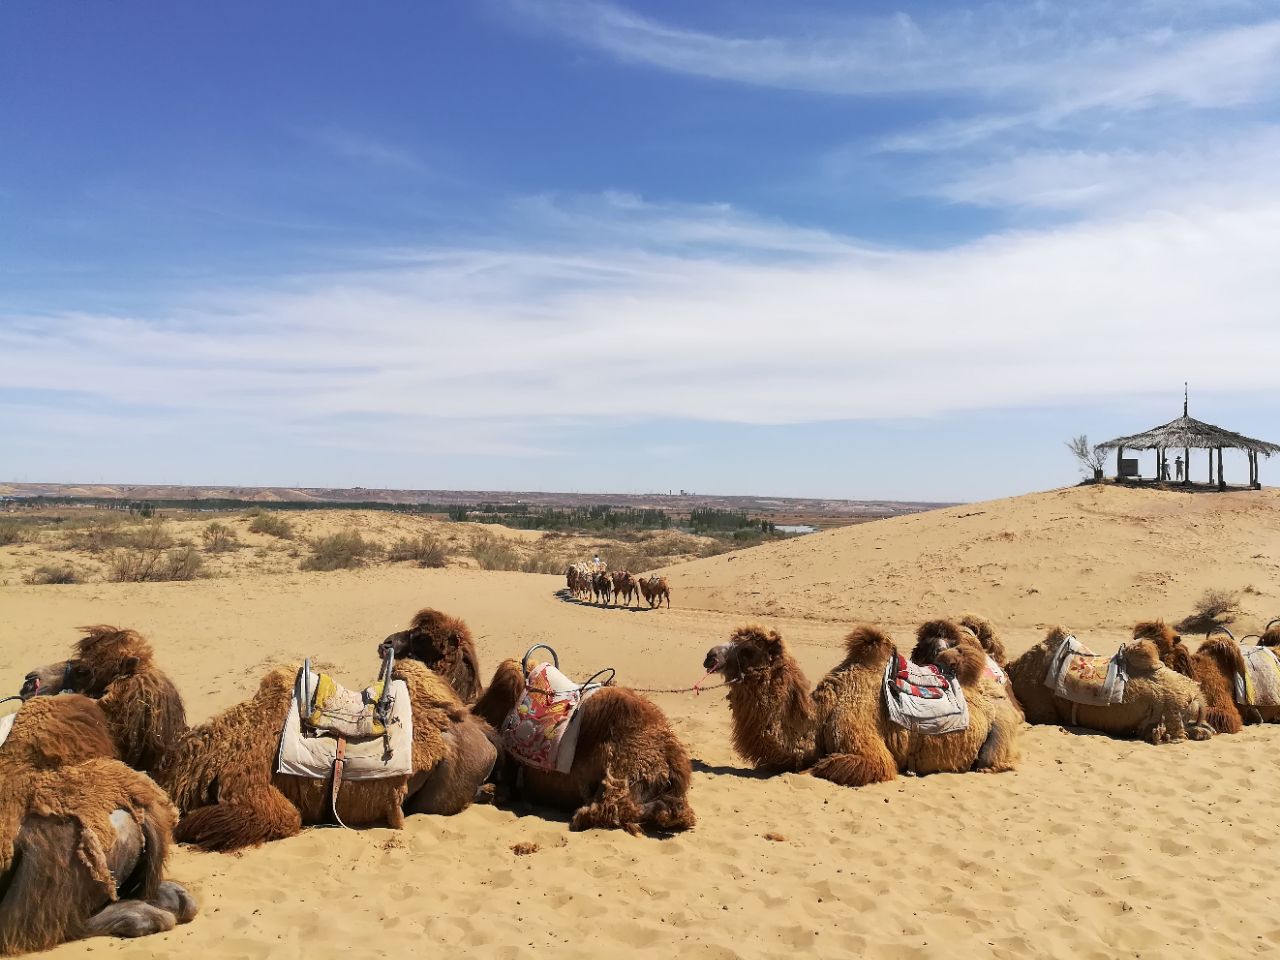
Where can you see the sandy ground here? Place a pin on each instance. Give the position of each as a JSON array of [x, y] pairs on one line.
[[1093, 848]]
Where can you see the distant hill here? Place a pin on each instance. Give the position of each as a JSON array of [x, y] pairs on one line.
[[1093, 556], [820, 512]]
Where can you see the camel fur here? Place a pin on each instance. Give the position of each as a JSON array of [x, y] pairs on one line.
[[444, 644], [118, 669], [83, 838], [1214, 666], [221, 774], [993, 646], [1160, 705], [842, 731], [630, 770]]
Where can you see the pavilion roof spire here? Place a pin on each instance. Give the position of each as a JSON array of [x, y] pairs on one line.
[[1185, 397]]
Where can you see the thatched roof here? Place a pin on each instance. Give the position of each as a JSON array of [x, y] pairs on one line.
[[1189, 432]]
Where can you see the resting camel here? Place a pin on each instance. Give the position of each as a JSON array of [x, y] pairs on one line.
[[1160, 705], [630, 770], [118, 669], [444, 644], [1214, 666], [992, 645], [83, 838], [842, 731], [222, 776]]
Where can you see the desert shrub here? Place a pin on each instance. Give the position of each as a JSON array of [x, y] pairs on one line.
[[339, 551], [12, 532], [1215, 608], [218, 538], [546, 557], [494, 553], [426, 550], [152, 535], [154, 564], [272, 524], [53, 573]]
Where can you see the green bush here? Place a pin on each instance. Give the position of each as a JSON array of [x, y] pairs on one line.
[[339, 551], [494, 553]]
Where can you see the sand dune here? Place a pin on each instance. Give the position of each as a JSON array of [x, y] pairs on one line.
[[1093, 848]]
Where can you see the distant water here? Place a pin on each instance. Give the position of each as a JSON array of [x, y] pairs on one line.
[[795, 528]]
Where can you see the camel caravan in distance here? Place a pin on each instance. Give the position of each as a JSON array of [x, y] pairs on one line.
[[595, 583], [101, 772]]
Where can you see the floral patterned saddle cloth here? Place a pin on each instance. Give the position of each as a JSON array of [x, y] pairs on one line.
[[542, 730], [1077, 674]]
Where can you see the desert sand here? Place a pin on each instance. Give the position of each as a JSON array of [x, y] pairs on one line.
[[1094, 847]]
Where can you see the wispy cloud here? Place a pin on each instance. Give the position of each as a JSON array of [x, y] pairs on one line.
[[363, 148], [481, 342]]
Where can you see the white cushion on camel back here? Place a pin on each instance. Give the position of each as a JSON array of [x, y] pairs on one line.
[[308, 753], [542, 730], [1077, 674], [1260, 685], [921, 699], [6, 724]]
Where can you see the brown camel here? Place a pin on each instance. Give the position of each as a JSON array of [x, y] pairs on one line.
[[118, 669], [1214, 666], [601, 587], [222, 776], [982, 628], [1160, 705], [444, 644], [655, 590], [83, 838], [624, 587], [842, 731], [630, 770]]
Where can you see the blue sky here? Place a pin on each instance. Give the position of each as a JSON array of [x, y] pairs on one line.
[[875, 250]]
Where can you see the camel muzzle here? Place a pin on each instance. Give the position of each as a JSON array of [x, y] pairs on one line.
[[30, 687], [716, 658]]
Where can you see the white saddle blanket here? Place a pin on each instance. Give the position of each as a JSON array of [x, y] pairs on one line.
[[1077, 674], [930, 715], [6, 724], [1260, 686], [303, 754]]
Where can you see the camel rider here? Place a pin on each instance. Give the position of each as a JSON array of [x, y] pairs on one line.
[[596, 565]]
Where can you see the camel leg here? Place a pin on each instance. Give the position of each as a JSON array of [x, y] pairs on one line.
[[450, 786], [997, 753], [613, 808], [251, 818], [173, 898]]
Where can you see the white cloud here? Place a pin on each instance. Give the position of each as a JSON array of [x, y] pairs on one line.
[[475, 343], [360, 147]]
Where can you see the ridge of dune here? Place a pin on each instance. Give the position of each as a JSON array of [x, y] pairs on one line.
[[1095, 556]]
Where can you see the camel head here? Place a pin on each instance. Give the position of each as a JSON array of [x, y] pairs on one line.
[[952, 647], [751, 650], [1271, 635], [1173, 652], [105, 654], [431, 636], [981, 628]]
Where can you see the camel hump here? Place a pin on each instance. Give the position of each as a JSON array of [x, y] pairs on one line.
[[1159, 633], [1226, 652], [867, 642], [1141, 657]]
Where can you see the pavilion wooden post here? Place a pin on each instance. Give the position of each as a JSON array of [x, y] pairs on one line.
[[1210, 452], [1222, 484], [1119, 457], [1186, 466]]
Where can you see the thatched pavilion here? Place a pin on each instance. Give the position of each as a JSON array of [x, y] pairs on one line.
[[1187, 434]]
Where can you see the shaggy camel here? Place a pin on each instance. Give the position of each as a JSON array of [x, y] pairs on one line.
[[1214, 666], [444, 644], [1160, 705], [118, 669], [842, 731], [982, 628], [221, 773], [630, 770], [83, 838]]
